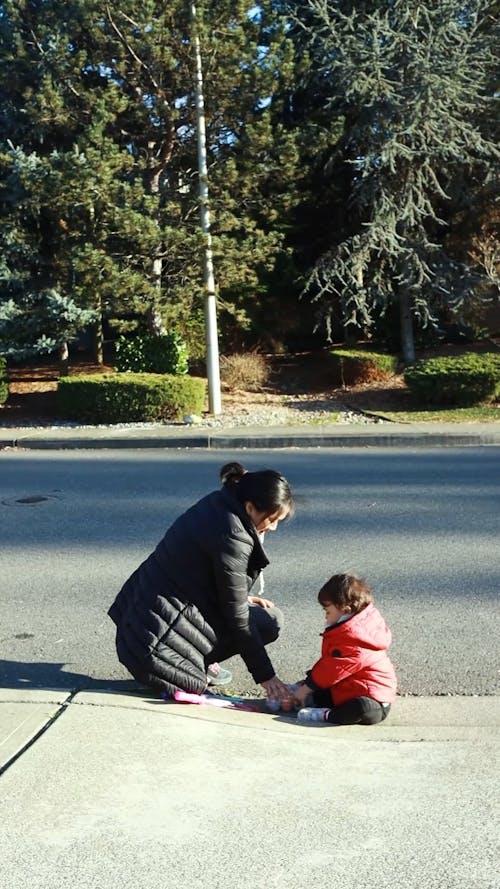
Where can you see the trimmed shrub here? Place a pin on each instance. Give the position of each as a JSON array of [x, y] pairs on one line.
[[244, 370], [4, 385], [460, 381], [130, 398], [353, 366], [167, 354]]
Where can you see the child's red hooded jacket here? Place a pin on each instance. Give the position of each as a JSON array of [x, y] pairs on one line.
[[354, 661]]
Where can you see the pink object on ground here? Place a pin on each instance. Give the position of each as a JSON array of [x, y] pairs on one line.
[[184, 697]]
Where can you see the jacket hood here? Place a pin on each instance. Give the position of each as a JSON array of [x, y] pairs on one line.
[[366, 629]]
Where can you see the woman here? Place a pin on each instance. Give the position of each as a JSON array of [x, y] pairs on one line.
[[188, 605]]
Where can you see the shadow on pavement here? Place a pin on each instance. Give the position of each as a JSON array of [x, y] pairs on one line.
[[22, 674]]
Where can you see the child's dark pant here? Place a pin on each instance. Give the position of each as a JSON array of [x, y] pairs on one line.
[[359, 711]]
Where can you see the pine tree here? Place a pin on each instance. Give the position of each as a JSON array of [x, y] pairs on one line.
[[39, 323], [253, 168], [411, 82], [82, 105], [97, 100]]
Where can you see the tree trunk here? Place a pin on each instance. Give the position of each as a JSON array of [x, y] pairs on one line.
[[351, 334], [407, 337], [351, 331], [98, 343], [154, 320], [63, 359]]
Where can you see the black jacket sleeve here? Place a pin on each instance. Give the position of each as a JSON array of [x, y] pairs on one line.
[[231, 577]]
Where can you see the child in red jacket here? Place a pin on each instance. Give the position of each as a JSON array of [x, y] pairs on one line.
[[354, 680]]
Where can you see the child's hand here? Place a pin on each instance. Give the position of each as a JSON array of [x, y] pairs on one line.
[[301, 693]]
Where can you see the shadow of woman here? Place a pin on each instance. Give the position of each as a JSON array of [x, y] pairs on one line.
[[52, 675]]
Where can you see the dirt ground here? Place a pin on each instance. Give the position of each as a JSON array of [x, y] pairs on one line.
[[302, 377], [33, 386]]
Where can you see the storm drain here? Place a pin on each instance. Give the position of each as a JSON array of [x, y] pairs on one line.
[[30, 500]]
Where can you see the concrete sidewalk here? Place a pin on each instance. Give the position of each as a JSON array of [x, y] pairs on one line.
[[128, 792], [313, 436]]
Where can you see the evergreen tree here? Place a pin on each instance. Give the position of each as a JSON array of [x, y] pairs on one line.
[[317, 191], [38, 323], [82, 102], [412, 84], [100, 145], [246, 57]]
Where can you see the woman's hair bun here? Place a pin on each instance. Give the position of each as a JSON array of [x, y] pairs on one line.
[[231, 473], [266, 489]]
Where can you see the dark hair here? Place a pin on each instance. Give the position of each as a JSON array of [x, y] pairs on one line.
[[266, 489], [345, 589]]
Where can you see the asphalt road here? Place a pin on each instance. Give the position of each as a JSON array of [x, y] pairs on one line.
[[421, 525]]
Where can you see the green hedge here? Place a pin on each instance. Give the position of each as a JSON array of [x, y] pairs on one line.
[[166, 354], [129, 397], [352, 366], [4, 385], [461, 381]]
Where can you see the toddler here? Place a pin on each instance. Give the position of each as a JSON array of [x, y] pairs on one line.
[[354, 680]]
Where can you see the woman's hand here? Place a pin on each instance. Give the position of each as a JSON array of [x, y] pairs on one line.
[[276, 689], [258, 600], [301, 693]]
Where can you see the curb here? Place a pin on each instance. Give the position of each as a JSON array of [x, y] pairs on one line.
[[360, 440], [251, 439], [59, 444]]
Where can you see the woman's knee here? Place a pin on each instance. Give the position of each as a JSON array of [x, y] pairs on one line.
[[268, 622], [278, 619]]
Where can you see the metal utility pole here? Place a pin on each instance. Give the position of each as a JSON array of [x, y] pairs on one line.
[[211, 338]]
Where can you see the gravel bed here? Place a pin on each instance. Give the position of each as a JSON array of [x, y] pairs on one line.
[[294, 414], [287, 416]]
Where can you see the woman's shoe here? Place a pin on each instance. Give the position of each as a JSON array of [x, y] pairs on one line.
[[217, 675]]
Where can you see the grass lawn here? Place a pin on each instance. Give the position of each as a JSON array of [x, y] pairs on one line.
[[486, 414]]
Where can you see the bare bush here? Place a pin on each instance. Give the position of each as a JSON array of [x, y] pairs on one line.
[[244, 370]]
